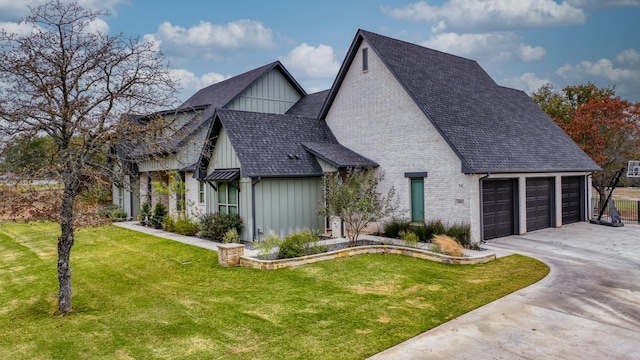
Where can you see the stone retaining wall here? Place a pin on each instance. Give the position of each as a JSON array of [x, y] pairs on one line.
[[230, 254], [371, 249]]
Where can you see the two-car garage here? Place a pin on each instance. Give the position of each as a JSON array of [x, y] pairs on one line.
[[501, 207]]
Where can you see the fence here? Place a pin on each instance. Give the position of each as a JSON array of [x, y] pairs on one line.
[[629, 210]]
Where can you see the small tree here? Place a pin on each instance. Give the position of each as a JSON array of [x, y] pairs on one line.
[[353, 196]]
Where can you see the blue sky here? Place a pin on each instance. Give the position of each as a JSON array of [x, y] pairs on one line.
[[521, 43]]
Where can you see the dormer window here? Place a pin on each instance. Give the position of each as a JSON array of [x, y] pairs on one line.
[[365, 59]]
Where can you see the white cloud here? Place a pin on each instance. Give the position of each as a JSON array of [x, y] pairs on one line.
[[594, 4], [528, 53], [312, 62], [623, 73], [602, 69], [24, 29], [98, 25], [205, 35], [491, 45], [21, 29], [490, 15], [15, 10], [494, 47], [629, 57], [527, 82], [190, 82]]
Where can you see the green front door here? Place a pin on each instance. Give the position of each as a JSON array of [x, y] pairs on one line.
[[417, 199]]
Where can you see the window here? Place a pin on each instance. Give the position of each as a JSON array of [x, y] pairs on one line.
[[201, 193], [365, 59], [227, 199], [181, 192], [120, 198]]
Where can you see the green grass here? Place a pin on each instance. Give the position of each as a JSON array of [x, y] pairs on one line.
[[138, 296]]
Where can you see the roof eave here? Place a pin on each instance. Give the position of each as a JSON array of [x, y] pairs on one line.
[[530, 171], [283, 176]]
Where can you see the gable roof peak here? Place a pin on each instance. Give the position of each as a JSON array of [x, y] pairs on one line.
[[224, 92], [490, 128]]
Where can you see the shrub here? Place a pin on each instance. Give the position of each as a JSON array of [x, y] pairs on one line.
[[118, 214], [421, 231], [185, 226], [145, 213], [105, 211], [215, 226], [266, 246], [300, 244], [169, 224], [159, 213], [435, 248], [409, 239], [434, 227], [394, 226], [461, 233], [447, 245], [231, 236]]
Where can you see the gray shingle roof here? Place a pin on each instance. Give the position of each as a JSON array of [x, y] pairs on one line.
[[309, 105], [271, 145], [206, 101], [491, 128], [338, 155]]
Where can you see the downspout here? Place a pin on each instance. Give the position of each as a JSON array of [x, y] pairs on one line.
[[253, 205], [481, 210]]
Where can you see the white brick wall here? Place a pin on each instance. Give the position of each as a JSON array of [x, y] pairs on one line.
[[192, 187], [373, 115]]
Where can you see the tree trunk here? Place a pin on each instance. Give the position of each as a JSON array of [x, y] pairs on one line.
[[65, 242], [603, 197]]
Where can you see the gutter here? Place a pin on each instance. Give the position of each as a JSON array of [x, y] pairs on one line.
[[253, 205], [481, 207]]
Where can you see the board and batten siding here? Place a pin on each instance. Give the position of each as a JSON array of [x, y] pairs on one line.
[[272, 93], [326, 167], [224, 157], [287, 205]]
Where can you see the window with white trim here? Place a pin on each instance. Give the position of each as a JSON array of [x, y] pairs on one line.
[[201, 193], [227, 199], [120, 199]]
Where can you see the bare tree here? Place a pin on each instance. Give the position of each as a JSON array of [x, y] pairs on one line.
[[75, 84]]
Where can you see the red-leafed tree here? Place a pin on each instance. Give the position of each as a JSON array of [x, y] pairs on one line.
[[606, 127]]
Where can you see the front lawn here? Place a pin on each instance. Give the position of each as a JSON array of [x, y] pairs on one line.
[[136, 296]]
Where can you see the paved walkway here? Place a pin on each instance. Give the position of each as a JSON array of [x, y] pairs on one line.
[[212, 245], [190, 240], [588, 307]]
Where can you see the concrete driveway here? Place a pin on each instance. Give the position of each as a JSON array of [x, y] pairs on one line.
[[588, 307]]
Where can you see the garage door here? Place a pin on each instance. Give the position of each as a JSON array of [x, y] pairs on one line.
[[572, 199], [539, 203], [498, 208]]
